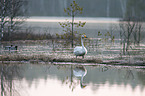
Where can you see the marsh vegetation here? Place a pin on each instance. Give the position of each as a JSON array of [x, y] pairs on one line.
[[36, 56]]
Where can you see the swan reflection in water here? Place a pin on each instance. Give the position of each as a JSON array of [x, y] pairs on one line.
[[80, 72]]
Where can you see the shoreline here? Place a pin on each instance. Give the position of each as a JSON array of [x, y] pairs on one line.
[[73, 64], [54, 60], [66, 58]]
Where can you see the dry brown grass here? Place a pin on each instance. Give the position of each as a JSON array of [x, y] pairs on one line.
[[48, 58]]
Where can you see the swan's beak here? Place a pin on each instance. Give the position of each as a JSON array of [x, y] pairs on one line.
[[83, 86], [85, 36]]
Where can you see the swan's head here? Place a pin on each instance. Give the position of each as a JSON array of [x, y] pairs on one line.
[[83, 85], [84, 36]]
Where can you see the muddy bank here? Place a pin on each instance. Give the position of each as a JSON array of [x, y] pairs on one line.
[[63, 60], [46, 58]]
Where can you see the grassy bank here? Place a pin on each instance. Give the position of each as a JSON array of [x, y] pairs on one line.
[[61, 59], [47, 58]]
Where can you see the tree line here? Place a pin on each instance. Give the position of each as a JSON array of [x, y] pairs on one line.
[[93, 8], [11, 14]]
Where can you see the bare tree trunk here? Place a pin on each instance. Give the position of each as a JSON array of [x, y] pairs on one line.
[[130, 27], [128, 43], [11, 17], [124, 46], [2, 83], [3, 11], [135, 35], [108, 8], [127, 30], [123, 7], [139, 33], [11, 86], [72, 28], [2, 28]]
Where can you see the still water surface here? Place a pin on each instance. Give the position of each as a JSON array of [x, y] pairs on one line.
[[66, 80], [73, 80], [93, 25]]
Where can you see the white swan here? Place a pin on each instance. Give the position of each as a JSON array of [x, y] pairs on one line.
[[80, 71], [80, 50]]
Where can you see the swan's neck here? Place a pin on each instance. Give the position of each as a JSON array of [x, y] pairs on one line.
[[82, 42], [81, 82], [82, 79]]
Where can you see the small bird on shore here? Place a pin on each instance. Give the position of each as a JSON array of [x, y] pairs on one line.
[[11, 47], [80, 50]]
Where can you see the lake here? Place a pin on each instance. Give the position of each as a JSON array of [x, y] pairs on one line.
[[93, 25], [40, 25], [72, 80], [122, 78]]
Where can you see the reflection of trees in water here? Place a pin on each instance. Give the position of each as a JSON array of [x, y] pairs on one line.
[[141, 77], [96, 77], [8, 74], [129, 74], [100, 76], [71, 82]]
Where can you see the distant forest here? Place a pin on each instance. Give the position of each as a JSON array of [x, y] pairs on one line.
[[91, 8]]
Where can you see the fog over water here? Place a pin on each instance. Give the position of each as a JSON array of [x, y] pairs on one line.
[[93, 25]]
